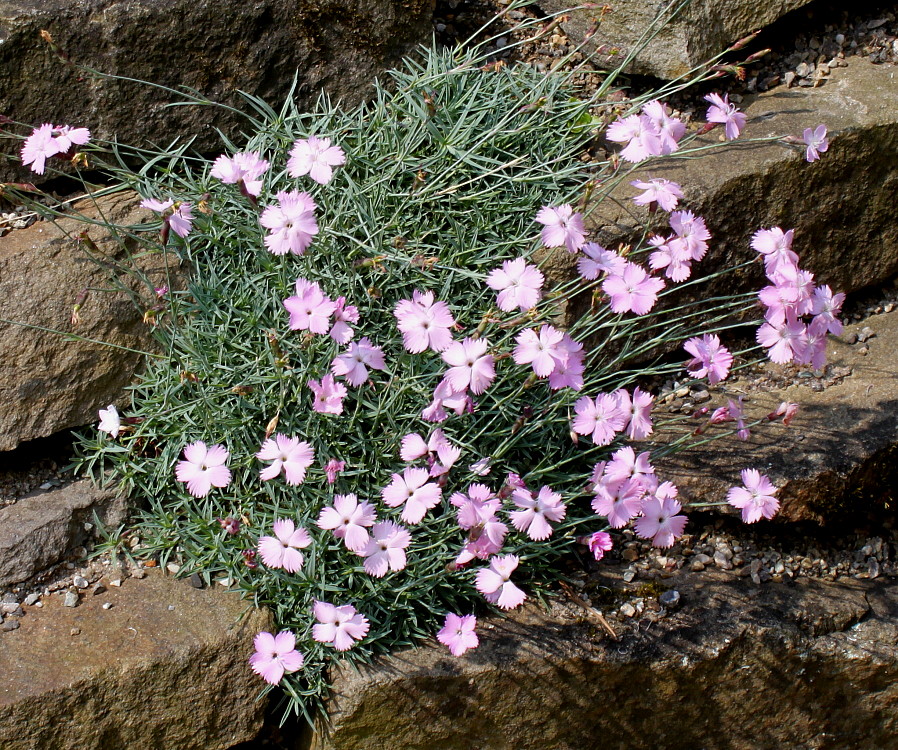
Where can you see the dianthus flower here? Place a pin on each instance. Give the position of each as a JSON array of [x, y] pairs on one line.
[[669, 129], [599, 260], [691, 229], [787, 410], [815, 140], [110, 422], [329, 395], [446, 398], [275, 656], [598, 542], [536, 512], [633, 290], [203, 468], [458, 633], [640, 136], [710, 358], [776, 247], [353, 364], [518, 284], [385, 549], [347, 518], [618, 502], [562, 227], [673, 255], [47, 141], [663, 192], [332, 468], [291, 223], [310, 309], [179, 219], [412, 490], [495, 583], [283, 549], [755, 498], [244, 168], [602, 418], [344, 314], [543, 351], [783, 341], [437, 446], [638, 410], [568, 372], [722, 111], [341, 627], [315, 157], [626, 464], [659, 521], [288, 455], [826, 306], [469, 365], [424, 323]]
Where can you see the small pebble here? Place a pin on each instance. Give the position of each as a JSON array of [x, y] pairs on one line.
[[107, 605], [195, 580], [75, 631], [628, 610], [71, 599], [628, 575], [117, 582], [173, 568], [98, 589], [80, 582], [670, 599], [138, 573], [10, 625], [32, 598]]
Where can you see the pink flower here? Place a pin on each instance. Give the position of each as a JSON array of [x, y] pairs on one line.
[[618, 502], [755, 498], [709, 358], [412, 490], [518, 284], [244, 168], [332, 468], [669, 129], [288, 455], [348, 519], [310, 309], [599, 260], [283, 549], [663, 192], [315, 157], [344, 315], [339, 626], [568, 372], [469, 365], [787, 410], [446, 398], [329, 395], [638, 410], [495, 584], [477, 515], [275, 655], [626, 464], [291, 223], [458, 633], [562, 227], [691, 229], [659, 521], [537, 512], [386, 548], [599, 543], [424, 323], [180, 219], [354, 363], [110, 422], [543, 351], [816, 142], [203, 468], [826, 306], [633, 290], [782, 341], [723, 112], [437, 446], [776, 247], [602, 418], [640, 136], [47, 141], [673, 255]]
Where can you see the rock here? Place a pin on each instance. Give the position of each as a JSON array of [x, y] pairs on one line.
[[38, 529], [48, 383], [848, 465], [627, 610], [784, 663], [846, 230], [10, 625], [32, 598], [258, 47], [670, 599], [80, 582], [71, 599], [695, 34], [139, 675]]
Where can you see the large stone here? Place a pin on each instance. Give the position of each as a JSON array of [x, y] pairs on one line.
[[688, 38], [736, 665], [214, 47], [47, 382], [164, 667], [38, 530]]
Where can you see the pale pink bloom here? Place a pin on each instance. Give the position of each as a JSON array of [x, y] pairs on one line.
[[245, 167], [673, 255], [693, 231], [180, 219], [755, 498], [275, 656], [310, 309], [659, 521], [446, 398], [633, 290], [339, 626], [618, 502], [796, 288], [640, 135], [353, 364], [710, 358], [110, 422], [288, 455], [518, 284], [156, 205], [723, 112], [437, 446], [782, 342], [815, 140], [826, 306], [663, 192], [315, 157], [477, 515], [469, 365], [544, 351], [329, 395], [568, 372], [776, 247], [458, 633], [481, 467], [536, 512], [626, 464], [787, 410], [602, 418], [495, 583], [599, 260], [344, 315], [283, 549], [347, 518], [424, 323], [385, 549], [813, 351], [291, 223], [474, 505], [332, 468], [412, 490], [732, 412], [47, 141], [562, 227], [67, 138], [669, 129], [638, 410], [203, 468], [598, 542]]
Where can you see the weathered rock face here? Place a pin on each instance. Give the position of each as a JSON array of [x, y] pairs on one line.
[[38, 530], [164, 667], [216, 48], [736, 666], [702, 29], [48, 383]]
